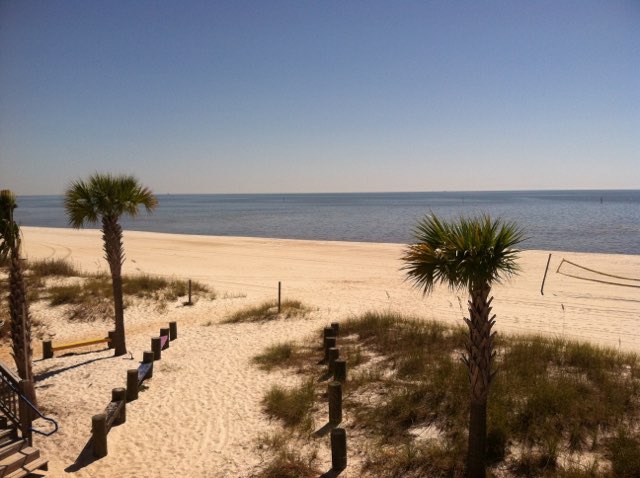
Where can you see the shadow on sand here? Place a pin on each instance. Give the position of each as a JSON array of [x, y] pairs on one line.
[[84, 458], [52, 373]]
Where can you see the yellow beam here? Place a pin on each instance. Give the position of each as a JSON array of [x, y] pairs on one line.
[[73, 345]]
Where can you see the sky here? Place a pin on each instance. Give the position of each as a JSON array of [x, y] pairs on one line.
[[320, 96]]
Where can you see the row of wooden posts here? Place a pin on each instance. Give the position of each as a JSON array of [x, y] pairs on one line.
[[337, 368], [115, 413]]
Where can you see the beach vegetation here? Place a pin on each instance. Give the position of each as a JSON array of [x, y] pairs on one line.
[[104, 198], [45, 268], [287, 460], [90, 296], [275, 355], [558, 408], [291, 405], [268, 311], [470, 254]]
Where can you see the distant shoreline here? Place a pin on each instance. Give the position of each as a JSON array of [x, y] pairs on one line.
[[178, 235]]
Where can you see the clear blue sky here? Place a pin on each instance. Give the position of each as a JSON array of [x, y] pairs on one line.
[[321, 96]]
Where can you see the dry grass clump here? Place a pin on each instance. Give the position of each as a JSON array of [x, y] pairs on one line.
[[43, 268], [268, 311], [557, 408], [275, 355], [293, 406], [287, 460], [89, 297]]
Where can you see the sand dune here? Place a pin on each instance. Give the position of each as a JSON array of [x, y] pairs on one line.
[[201, 413]]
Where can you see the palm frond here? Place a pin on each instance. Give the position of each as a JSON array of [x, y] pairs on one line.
[[106, 195], [469, 252], [9, 230]]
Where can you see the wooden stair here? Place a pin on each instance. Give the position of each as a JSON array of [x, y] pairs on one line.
[[17, 458]]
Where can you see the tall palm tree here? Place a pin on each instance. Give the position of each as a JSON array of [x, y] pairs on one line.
[[18, 305], [469, 254], [104, 198]]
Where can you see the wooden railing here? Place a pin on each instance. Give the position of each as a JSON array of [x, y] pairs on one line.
[[9, 396], [17, 407]]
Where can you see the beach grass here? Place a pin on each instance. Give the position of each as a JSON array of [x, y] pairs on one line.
[[267, 311], [291, 405], [89, 296], [287, 461], [43, 268], [275, 355], [556, 407]]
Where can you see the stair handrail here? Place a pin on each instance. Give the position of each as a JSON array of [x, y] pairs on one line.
[[14, 382]]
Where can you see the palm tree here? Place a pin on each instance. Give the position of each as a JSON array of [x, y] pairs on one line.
[[18, 305], [468, 254], [104, 198]]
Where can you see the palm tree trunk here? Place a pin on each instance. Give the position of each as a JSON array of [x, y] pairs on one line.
[[113, 248], [478, 360], [20, 323]]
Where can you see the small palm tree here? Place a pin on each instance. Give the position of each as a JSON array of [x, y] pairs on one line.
[[18, 305], [469, 254], [104, 198]]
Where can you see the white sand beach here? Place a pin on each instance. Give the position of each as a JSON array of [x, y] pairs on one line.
[[200, 415]]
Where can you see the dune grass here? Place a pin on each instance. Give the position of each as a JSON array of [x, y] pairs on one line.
[[291, 405], [90, 295], [275, 355], [43, 268], [268, 311], [556, 408], [287, 461]]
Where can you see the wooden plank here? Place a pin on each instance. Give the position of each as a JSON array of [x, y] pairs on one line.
[[143, 370], [27, 469], [112, 411], [82, 343], [163, 341]]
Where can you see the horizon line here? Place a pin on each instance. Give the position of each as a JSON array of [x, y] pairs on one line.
[[364, 192]]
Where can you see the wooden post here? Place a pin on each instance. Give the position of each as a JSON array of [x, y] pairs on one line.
[[545, 275], [334, 354], [164, 332], [338, 449], [156, 346], [279, 296], [189, 301], [24, 411], [148, 357], [120, 395], [173, 330], [334, 390], [340, 371], [328, 332], [329, 342], [47, 349], [336, 328], [111, 334], [99, 433], [132, 384]]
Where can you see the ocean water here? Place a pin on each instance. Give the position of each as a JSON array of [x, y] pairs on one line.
[[586, 221]]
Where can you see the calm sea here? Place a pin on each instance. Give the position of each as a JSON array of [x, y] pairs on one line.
[[588, 221]]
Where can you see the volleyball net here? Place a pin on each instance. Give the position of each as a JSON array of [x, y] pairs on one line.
[[576, 271]]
